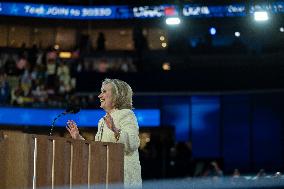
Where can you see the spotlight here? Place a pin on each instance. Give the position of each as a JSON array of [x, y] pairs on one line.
[[173, 21], [162, 38], [56, 47], [237, 34], [166, 66], [65, 54], [212, 31], [260, 16], [281, 29]]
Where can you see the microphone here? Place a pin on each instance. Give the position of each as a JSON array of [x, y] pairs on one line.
[[71, 109]]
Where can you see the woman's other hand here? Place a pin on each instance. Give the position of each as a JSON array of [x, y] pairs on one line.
[[110, 124], [73, 129]]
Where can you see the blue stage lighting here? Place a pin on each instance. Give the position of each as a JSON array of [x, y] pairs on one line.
[[212, 31]]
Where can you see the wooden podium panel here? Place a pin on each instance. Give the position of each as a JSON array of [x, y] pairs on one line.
[[43, 148], [80, 161], [33, 161], [115, 163], [16, 161], [106, 168], [98, 164], [62, 163]]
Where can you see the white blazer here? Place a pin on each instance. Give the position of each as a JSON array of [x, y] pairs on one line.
[[126, 121]]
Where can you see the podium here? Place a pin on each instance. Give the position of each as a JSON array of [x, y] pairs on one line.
[[30, 161]]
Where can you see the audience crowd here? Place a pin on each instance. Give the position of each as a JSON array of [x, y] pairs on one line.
[[36, 77]]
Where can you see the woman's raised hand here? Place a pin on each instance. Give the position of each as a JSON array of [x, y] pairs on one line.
[[73, 129]]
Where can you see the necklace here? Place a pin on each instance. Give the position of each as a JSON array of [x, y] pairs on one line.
[[102, 130]]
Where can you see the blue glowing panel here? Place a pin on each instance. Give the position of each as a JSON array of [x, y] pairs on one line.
[[177, 115], [154, 11], [259, 7], [148, 117], [267, 129], [214, 11], [85, 118], [236, 132], [278, 7], [63, 11], [205, 126]]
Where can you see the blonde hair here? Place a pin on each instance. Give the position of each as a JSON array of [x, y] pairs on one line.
[[121, 93]]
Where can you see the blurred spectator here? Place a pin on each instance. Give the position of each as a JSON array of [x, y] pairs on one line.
[[39, 72], [109, 64], [261, 173], [236, 173], [64, 88], [21, 64], [18, 96], [125, 65], [26, 81], [213, 170], [39, 59], [92, 100], [63, 74], [85, 44], [23, 50], [51, 68], [4, 88], [80, 67], [150, 157], [10, 66], [32, 55], [103, 66], [23, 46], [183, 159], [40, 95], [277, 174], [101, 42], [140, 41]]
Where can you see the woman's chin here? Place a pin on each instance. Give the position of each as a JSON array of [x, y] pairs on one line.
[[103, 107]]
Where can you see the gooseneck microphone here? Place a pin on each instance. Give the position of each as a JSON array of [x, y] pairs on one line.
[[71, 109]]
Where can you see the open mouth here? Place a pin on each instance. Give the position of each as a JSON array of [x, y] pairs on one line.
[[102, 100]]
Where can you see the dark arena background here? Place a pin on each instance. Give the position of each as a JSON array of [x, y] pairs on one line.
[[207, 76]]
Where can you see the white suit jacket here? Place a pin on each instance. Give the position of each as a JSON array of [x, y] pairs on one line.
[[126, 121]]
